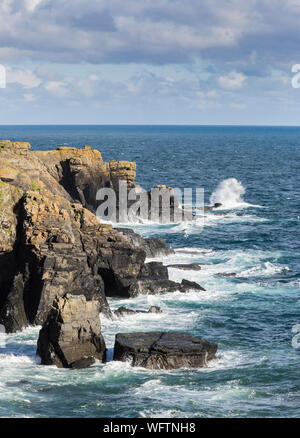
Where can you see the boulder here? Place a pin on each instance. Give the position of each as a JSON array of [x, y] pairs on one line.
[[161, 350], [71, 336]]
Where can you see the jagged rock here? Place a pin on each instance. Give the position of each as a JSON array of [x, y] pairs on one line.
[[186, 267], [71, 336], [159, 350], [51, 245], [153, 247], [12, 312], [212, 207], [187, 285], [123, 311], [154, 279], [82, 172]]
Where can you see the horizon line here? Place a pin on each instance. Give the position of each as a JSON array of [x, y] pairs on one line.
[[149, 124]]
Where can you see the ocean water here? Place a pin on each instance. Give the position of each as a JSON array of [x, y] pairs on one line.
[[253, 317]]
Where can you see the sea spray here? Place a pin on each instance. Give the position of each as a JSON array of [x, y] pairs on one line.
[[229, 193]]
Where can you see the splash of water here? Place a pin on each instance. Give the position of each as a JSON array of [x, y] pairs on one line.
[[229, 193]]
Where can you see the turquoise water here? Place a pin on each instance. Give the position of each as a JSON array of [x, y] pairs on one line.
[[250, 316]]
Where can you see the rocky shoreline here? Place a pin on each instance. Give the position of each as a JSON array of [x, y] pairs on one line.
[[58, 263]]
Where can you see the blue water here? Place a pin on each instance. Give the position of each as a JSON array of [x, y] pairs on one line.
[[250, 316]]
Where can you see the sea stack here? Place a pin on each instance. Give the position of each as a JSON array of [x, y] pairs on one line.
[[71, 336]]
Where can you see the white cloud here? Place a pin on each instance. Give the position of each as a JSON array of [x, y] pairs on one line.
[[57, 89], [32, 4], [232, 81], [25, 78], [151, 31]]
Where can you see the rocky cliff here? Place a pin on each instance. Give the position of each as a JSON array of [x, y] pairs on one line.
[[51, 242]]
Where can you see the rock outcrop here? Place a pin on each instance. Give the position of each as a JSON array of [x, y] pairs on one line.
[[71, 336], [153, 247], [154, 279], [51, 242], [161, 350]]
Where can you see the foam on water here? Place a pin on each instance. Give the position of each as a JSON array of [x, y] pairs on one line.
[[230, 194]]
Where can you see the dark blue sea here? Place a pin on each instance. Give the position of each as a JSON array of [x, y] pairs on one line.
[[254, 317]]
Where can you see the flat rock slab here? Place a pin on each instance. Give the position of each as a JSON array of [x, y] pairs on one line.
[[161, 350]]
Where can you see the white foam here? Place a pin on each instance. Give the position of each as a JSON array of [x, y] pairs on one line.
[[266, 269], [230, 194]]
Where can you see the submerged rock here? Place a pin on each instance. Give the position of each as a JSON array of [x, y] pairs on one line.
[[212, 207], [71, 336], [159, 350], [227, 274], [186, 267], [122, 311]]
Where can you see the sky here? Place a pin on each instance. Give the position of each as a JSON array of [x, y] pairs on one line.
[[149, 62]]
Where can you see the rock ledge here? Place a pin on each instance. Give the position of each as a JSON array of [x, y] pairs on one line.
[[161, 350]]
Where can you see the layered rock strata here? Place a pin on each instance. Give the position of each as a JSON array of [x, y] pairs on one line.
[[163, 350], [71, 336]]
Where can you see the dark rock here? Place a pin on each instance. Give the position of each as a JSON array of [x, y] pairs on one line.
[[187, 285], [153, 247], [161, 350], [86, 362], [71, 336], [122, 311], [155, 309], [154, 279], [212, 207], [51, 245], [186, 267]]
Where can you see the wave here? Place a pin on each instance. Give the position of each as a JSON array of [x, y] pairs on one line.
[[267, 269], [230, 194]]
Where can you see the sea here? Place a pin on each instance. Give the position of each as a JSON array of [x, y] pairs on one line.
[[254, 317]]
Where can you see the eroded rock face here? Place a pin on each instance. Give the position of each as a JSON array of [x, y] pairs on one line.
[[159, 350], [51, 245], [71, 336], [154, 279], [82, 172], [153, 247]]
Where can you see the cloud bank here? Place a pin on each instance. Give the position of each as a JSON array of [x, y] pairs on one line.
[[150, 31], [156, 61]]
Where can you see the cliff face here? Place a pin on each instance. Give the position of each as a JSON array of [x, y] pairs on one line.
[[51, 244], [82, 172]]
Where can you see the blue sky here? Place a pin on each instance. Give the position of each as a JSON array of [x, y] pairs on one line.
[[150, 61]]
